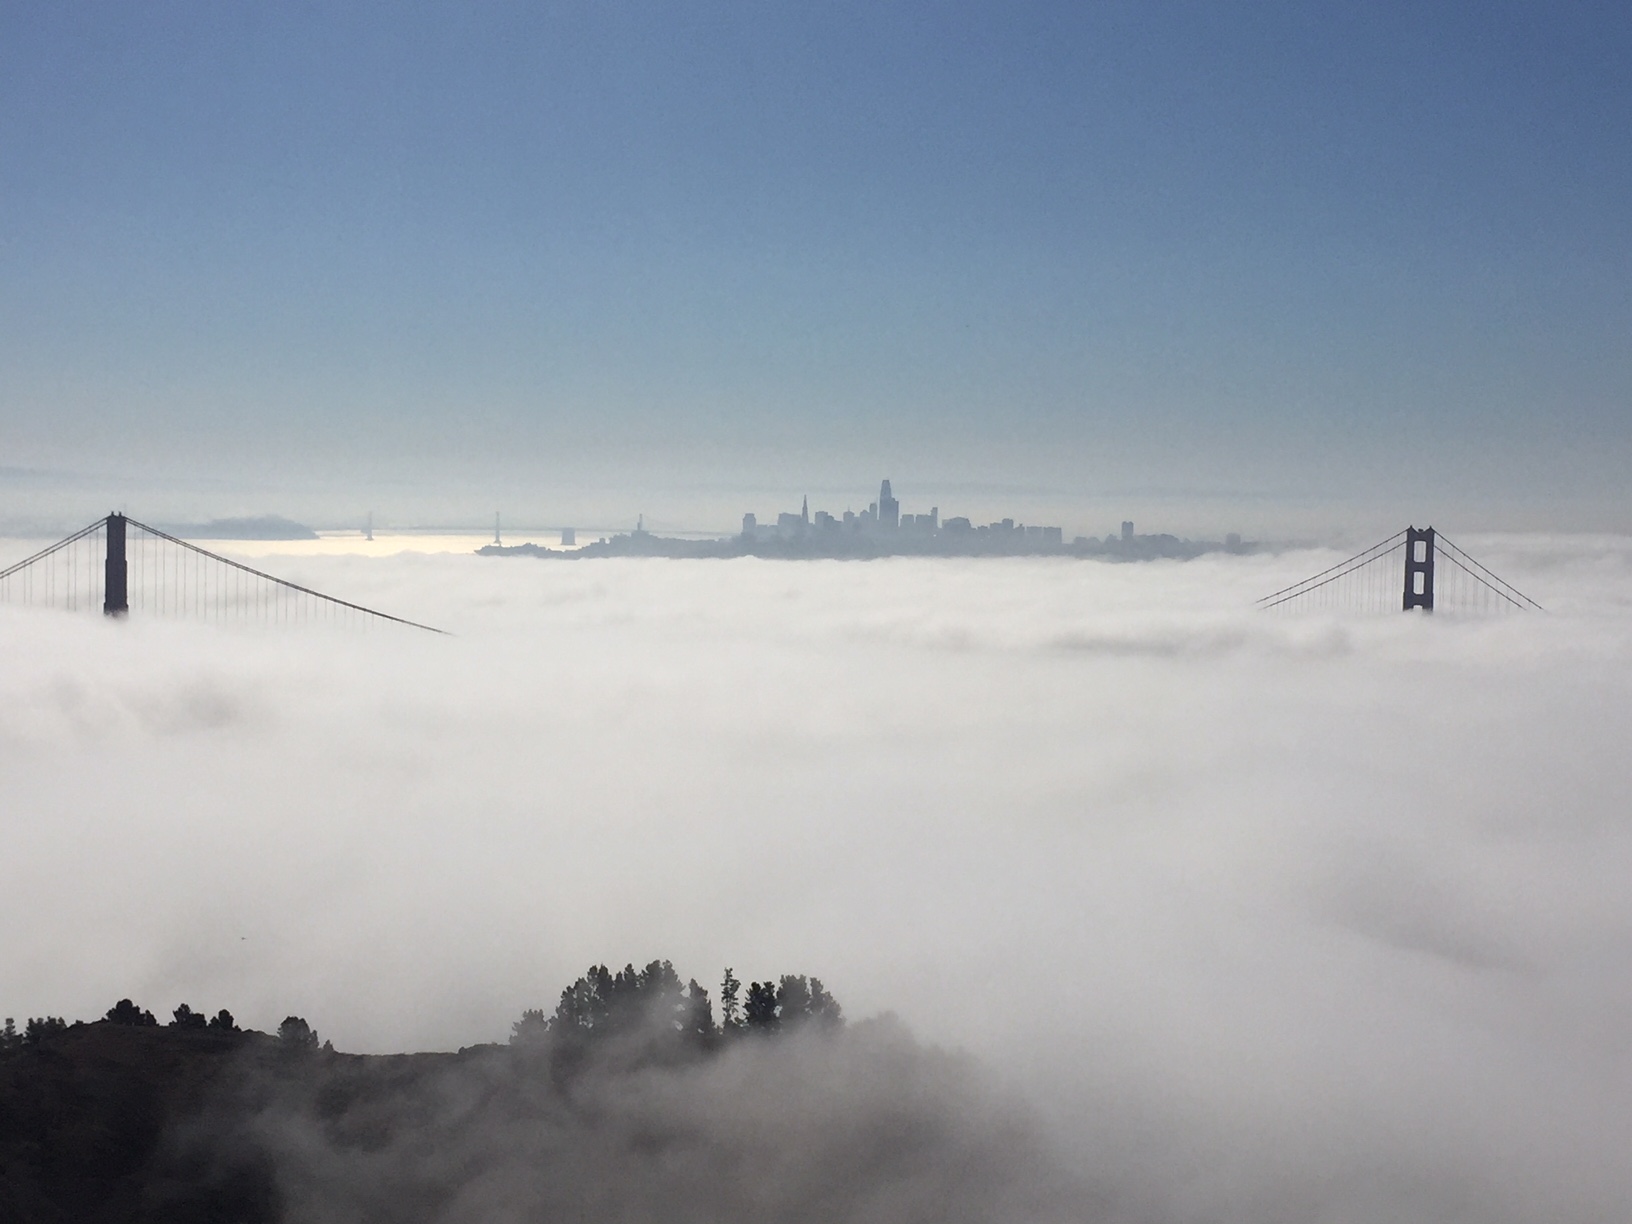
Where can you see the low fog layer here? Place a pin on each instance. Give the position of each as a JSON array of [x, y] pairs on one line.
[[859, 1125], [1272, 918]]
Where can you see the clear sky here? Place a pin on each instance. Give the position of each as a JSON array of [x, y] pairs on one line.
[[312, 257]]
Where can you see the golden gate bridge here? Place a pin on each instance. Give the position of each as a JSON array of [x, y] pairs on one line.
[[1373, 580], [122, 565]]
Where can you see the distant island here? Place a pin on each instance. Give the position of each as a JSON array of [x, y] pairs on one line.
[[881, 530], [631, 1100], [260, 527]]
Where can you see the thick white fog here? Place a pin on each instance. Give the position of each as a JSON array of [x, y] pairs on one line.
[[1272, 918]]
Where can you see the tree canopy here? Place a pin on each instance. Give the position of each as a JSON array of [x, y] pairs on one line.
[[652, 1003], [296, 1034], [126, 1012]]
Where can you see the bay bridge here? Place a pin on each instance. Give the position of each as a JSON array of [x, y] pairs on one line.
[[122, 565]]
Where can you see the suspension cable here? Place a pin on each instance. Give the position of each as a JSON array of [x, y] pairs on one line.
[[1274, 595], [293, 586], [1309, 585], [1517, 596], [46, 552]]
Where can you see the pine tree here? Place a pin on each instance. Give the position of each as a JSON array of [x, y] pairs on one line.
[[730, 1003], [761, 1010]]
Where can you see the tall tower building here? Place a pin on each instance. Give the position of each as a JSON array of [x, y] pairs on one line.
[[889, 510]]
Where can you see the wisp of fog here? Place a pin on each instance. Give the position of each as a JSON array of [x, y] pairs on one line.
[[1265, 917]]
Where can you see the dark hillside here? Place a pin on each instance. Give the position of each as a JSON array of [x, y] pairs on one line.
[[90, 1128], [628, 1103]]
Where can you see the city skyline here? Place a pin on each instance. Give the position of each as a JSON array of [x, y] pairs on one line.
[[882, 529], [883, 515]]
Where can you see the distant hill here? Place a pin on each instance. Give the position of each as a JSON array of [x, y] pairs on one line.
[[262, 527]]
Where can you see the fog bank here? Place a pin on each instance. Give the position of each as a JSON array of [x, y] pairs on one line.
[[1271, 918]]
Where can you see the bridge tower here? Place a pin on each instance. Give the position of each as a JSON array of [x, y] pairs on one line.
[[115, 590], [1419, 569]]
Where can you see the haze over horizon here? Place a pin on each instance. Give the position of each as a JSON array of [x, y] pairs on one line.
[[1277, 269]]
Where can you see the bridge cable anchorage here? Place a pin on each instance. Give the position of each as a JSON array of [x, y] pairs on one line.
[[156, 572], [1468, 586]]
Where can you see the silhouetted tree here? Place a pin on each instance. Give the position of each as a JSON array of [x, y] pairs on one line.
[[801, 1001], [602, 1003], [730, 1003], [792, 1000], [659, 995], [652, 1001], [126, 1012], [697, 1017], [187, 1018], [824, 1008], [531, 1029], [296, 1034], [584, 1006], [39, 1028], [10, 1038], [224, 1022], [761, 1010]]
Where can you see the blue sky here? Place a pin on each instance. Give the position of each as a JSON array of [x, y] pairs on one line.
[[1373, 258]]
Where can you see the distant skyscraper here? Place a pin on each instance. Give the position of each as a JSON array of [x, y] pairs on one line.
[[804, 510], [1127, 529], [889, 510], [749, 525]]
